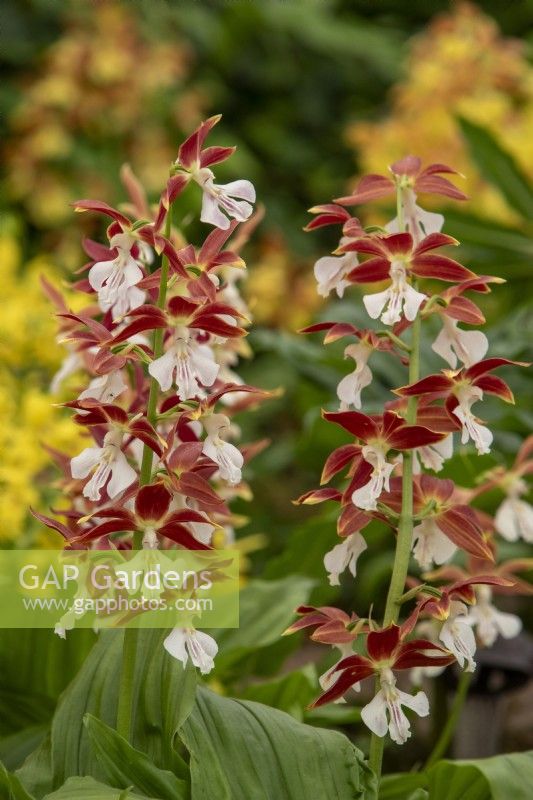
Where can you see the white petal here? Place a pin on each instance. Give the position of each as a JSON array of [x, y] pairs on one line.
[[344, 556], [506, 521], [228, 457], [175, 645], [458, 637], [100, 272], [122, 475], [211, 212], [412, 302], [417, 703], [81, 465], [428, 221], [205, 365], [442, 346], [471, 346], [350, 387], [374, 714], [509, 625], [71, 364], [514, 520], [375, 303], [431, 545], [241, 188], [132, 272], [330, 272], [162, 369], [202, 650]]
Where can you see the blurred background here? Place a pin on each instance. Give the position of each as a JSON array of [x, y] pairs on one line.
[[313, 93]]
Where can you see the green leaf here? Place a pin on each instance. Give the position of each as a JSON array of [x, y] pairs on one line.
[[125, 766], [401, 786], [163, 696], [291, 693], [17, 746], [498, 167], [266, 609], [498, 778], [35, 667], [240, 749], [10, 786], [89, 789]]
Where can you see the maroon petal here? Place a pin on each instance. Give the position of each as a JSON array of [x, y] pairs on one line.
[[352, 520], [494, 385], [381, 644], [327, 214], [398, 244], [337, 460], [433, 241], [459, 525], [53, 524], [318, 496], [152, 502], [438, 488], [372, 271], [416, 653], [434, 184], [196, 487], [345, 682], [185, 456], [360, 477], [370, 187], [102, 208], [464, 310], [354, 422], [440, 267], [182, 536], [142, 430], [432, 384], [410, 436], [215, 155], [408, 165], [489, 364]]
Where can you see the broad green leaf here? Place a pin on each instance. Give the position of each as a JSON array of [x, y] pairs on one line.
[[266, 609], [35, 667], [89, 789], [125, 766], [10, 786], [163, 696], [16, 747], [401, 786], [241, 750], [499, 167], [504, 777], [498, 778], [291, 693]]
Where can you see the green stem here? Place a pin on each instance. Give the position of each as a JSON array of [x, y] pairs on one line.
[[405, 525], [443, 742], [131, 635], [153, 392]]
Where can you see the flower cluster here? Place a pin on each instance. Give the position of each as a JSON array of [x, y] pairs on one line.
[[386, 459], [159, 340]]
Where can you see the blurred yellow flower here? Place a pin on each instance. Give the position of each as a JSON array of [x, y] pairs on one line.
[[107, 92], [29, 356], [460, 64]]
